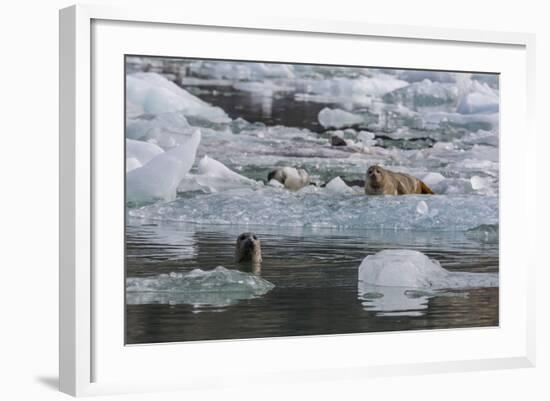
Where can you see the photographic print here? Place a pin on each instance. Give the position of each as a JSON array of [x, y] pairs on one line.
[[281, 199]]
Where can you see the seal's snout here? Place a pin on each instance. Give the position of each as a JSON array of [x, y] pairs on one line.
[[248, 248]]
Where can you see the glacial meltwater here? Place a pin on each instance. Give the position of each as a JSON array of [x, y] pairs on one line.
[[201, 138]]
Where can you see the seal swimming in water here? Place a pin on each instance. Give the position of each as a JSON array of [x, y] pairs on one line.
[[292, 178], [248, 248], [384, 182]]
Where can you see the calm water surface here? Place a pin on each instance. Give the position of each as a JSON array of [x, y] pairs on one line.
[[315, 276]]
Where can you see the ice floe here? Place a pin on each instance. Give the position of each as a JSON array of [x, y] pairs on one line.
[[160, 177], [219, 287], [319, 207]]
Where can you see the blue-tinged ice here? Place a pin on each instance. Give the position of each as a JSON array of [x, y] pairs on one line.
[[155, 94], [336, 118], [214, 176], [140, 152], [413, 269], [320, 207], [160, 177], [400, 282], [219, 287]]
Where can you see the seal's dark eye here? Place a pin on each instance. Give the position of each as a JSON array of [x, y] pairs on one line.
[[254, 237], [241, 237]]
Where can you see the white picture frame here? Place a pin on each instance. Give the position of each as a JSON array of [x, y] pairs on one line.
[[81, 345]]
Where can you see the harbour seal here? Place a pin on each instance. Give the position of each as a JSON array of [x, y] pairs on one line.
[[380, 181], [248, 248], [292, 178]]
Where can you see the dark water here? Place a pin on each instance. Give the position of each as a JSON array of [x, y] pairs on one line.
[[279, 109], [315, 278]]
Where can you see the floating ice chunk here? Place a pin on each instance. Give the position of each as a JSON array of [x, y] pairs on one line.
[[337, 185], [132, 163], [155, 126], [447, 146], [432, 179], [479, 98], [214, 168], [422, 208], [481, 137], [472, 122], [219, 287], [274, 183], [214, 176], [337, 118], [155, 94], [353, 87], [133, 110], [479, 183], [141, 151], [424, 94], [159, 178], [489, 79], [452, 186], [413, 269], [235, 70]]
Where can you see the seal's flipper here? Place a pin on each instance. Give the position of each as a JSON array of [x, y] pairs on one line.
[[424, 189]]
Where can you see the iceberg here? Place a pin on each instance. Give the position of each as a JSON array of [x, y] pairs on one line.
[[218, 288], [337, 118], [412, 269], [160, 177], [155, 94]]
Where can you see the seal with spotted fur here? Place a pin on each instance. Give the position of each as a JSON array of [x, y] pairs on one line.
[[380, 181], [248, 248], [292, 178]]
